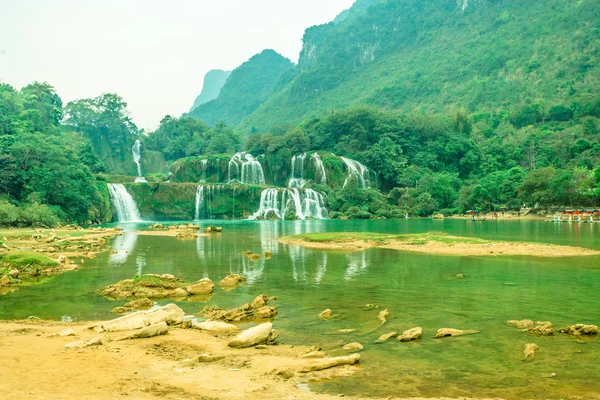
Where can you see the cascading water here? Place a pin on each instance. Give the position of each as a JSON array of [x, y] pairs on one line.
[[205, 200], [297, 177], [320, 174], [306, 203], [199, 201], [136, 151], [203, 169], [245, 168], [127, 210], [358, 172]]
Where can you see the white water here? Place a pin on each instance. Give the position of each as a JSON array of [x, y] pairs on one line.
[[136, 150], [205, 197], [127, 210], [245, 168], [320, 174], [306, 203], [358, 172], [203, 169], [297, 176]]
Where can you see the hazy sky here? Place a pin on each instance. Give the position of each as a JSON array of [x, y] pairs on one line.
[[154, 53]]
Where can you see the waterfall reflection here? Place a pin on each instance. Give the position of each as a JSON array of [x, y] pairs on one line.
[[121, 247], [357, 263]]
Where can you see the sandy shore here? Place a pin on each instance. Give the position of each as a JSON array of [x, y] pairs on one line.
[[453, 248], [36, 365]]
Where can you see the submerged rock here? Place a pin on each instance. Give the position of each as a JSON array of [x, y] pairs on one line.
[[267, 255], [383, 316], [580, 330], [253, 257], [411, 334], [386, 337], [5, 281], [325, 363], [153, 286], [542, 329], [231, 281], [258, 309], [353, 346], [530, 350], [449, 332], [266, 312], [217, 328], [260, 334], [326, 314], [521, 324], [259, 301]]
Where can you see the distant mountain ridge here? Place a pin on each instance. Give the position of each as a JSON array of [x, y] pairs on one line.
[[214, 81]]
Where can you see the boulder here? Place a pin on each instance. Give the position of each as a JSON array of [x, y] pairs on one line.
[[128, 322], [325, 363], [386, 337], [542, 329], [171, 314], [4, 281], [411, 334], [259, 334], [449, 332], [354, 346], [580, 330], [326, 314], [203, 286], [217, 328], [97, 341], [150, 331], [383, 316], [231, 281], [521, 324], [266, 312], [66, 332], [141, 304], [530, 350], [259, 301]]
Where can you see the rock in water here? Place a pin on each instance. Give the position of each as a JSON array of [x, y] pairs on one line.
[[580, 330], [522, 324], [150, 331], [326, 314], [259, 301], [217, 328], [203, 286], [266, 312], [325, 363], [353, 346], [530, 350], [231, 281], [383, 316], [411, 334], [259, 334], [386, 337], [449, 332], [542, 329]]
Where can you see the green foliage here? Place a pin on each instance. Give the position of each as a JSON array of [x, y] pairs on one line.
[[21, 259]]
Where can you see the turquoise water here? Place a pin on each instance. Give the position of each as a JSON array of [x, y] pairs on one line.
[[419, 290]]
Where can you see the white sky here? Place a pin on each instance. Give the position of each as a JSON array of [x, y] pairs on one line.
[[154, 53]]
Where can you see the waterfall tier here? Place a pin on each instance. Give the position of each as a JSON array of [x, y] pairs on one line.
[[297, 172], [207, 199], [244, 168], [301, 171], [137, 155], [279, 203], [127, 210], [364, 177]]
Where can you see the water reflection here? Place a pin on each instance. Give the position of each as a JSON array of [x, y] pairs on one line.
[[357, 264], [122, 246]]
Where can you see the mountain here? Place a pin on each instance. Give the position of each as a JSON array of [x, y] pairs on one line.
[[440, 56], [248, 86], [213, 83]]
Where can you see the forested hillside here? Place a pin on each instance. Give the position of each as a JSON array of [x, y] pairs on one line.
[[247, 87]]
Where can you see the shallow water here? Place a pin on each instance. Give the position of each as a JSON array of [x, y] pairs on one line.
[[418, 290]]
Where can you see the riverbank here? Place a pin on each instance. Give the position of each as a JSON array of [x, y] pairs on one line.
[[431, 243], [38, 366]]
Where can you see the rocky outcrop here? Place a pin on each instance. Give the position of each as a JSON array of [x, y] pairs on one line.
[[449, 332], [580, 330], [530, 350], [171, 314], [541, 329], [153, 286], [260, 334], [325, 363], [326, 314], [217, 328], [411, 334], [521, 324], [232, 281], [257, 310]]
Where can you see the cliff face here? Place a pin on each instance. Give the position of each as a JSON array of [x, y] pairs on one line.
[[213, 83], [246, 89]]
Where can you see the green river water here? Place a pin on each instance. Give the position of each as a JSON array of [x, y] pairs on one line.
[[419, 290]]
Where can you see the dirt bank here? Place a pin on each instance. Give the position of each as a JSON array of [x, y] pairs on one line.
[[432, 243], [36, 365]]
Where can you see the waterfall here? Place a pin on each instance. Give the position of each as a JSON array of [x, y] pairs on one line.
[[297, 176], [246, 169], [306, 203], [320, 174], [136, 159], [203, 169], [205, 200], [199, 201], [127, 210], [358, 172]]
